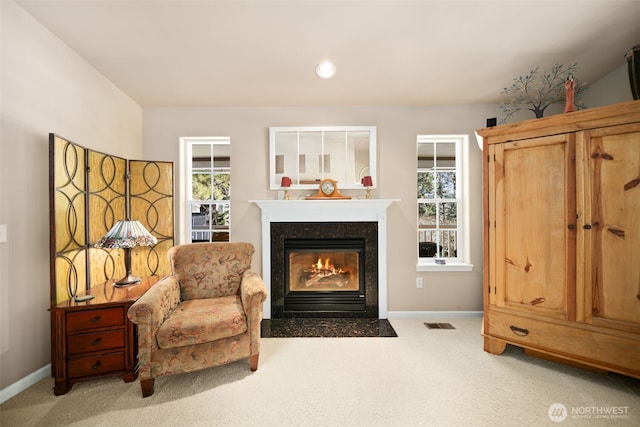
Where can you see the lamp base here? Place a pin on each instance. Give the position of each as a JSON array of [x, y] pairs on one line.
[[369, 196], [127, 280]]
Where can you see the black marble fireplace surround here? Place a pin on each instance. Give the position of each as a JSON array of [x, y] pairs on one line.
[[323, 231]]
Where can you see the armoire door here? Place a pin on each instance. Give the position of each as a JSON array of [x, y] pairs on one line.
[[610, 229], [532, 218]]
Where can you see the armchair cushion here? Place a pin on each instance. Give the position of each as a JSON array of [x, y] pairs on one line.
[[202, 320], [206, 270]]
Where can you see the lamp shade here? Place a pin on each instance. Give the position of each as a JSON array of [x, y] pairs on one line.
[[126, 234], [367, 181], [286, 182]]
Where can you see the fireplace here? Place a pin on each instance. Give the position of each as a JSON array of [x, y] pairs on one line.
[[324, 269], [324, 275], [293, 219]]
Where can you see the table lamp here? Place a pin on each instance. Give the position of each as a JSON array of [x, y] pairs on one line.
[[127, 234], [367, 182], [286, 183]]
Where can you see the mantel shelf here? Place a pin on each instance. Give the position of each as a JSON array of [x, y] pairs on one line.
[[349, 202], [324, 210]]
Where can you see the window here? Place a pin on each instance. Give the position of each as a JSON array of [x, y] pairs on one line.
[[440, 202], [207, 179]]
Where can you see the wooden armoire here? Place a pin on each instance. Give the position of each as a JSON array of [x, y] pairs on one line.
[[562, 237]]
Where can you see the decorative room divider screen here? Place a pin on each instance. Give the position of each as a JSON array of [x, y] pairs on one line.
[[87, 195]]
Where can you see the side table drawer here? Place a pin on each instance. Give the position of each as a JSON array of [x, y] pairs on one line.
[[92, 319], [96, 341], [96, 365]]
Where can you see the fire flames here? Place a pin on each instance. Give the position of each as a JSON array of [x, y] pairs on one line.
[[326, 269], [323, 273]]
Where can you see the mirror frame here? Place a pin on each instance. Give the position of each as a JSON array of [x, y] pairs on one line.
[[274, 178]]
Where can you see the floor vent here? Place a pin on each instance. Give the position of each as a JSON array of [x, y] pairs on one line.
[[439, 325]]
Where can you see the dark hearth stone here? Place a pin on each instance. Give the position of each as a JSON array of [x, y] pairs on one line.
[[326, 327]]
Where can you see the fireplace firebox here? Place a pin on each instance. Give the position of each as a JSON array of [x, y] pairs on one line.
[[324, 275], [324, 269]]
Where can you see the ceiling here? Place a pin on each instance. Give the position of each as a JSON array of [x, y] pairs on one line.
[[263, 53]]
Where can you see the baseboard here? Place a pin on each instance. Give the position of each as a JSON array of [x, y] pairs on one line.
[[431, 314], [26, 382], [427, 314]]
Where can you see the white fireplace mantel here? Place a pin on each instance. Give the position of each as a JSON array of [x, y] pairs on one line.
[[363, 210]]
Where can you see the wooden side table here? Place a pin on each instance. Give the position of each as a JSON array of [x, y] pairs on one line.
[[95, 339]]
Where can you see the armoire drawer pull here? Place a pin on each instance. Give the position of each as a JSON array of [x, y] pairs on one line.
[[521, 332]]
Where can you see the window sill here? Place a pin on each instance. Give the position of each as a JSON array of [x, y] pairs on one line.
[[452, 266]]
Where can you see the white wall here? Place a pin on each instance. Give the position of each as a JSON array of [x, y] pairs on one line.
[[611, 89], [45, 87]]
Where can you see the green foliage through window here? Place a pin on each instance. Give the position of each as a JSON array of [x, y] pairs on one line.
[[203, 189], [437, 196]]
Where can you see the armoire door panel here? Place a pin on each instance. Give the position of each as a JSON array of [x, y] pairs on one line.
[[533, 241], [614, 220]]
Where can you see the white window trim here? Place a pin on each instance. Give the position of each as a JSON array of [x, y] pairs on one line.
[[462, 262], [184, 183], [449, 266]]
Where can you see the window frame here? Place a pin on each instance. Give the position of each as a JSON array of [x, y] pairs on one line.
[[186, 180], [461, 261]]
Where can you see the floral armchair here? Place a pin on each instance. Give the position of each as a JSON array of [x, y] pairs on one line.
[[207, 313]]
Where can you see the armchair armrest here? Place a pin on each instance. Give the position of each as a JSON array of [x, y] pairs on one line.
[[253, 293], [150, 310]]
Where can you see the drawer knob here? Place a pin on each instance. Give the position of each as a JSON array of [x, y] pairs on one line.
[[95, 319], [96, 341], [521, 332], [96, 365]]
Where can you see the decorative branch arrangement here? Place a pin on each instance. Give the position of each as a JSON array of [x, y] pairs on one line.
[[535, 91]]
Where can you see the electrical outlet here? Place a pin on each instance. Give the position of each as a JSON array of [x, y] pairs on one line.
[[419, 283]]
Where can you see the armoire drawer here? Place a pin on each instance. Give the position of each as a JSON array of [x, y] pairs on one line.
[[573, 342]]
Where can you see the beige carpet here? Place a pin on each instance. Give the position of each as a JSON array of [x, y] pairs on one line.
[[425, 377]]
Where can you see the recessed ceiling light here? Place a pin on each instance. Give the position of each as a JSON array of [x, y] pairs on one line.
[[325, 70]]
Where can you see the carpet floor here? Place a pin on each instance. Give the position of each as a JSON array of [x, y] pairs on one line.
[[424, 377], [326, 328]]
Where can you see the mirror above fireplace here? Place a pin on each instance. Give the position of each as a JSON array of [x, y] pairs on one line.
[[308, 155]]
